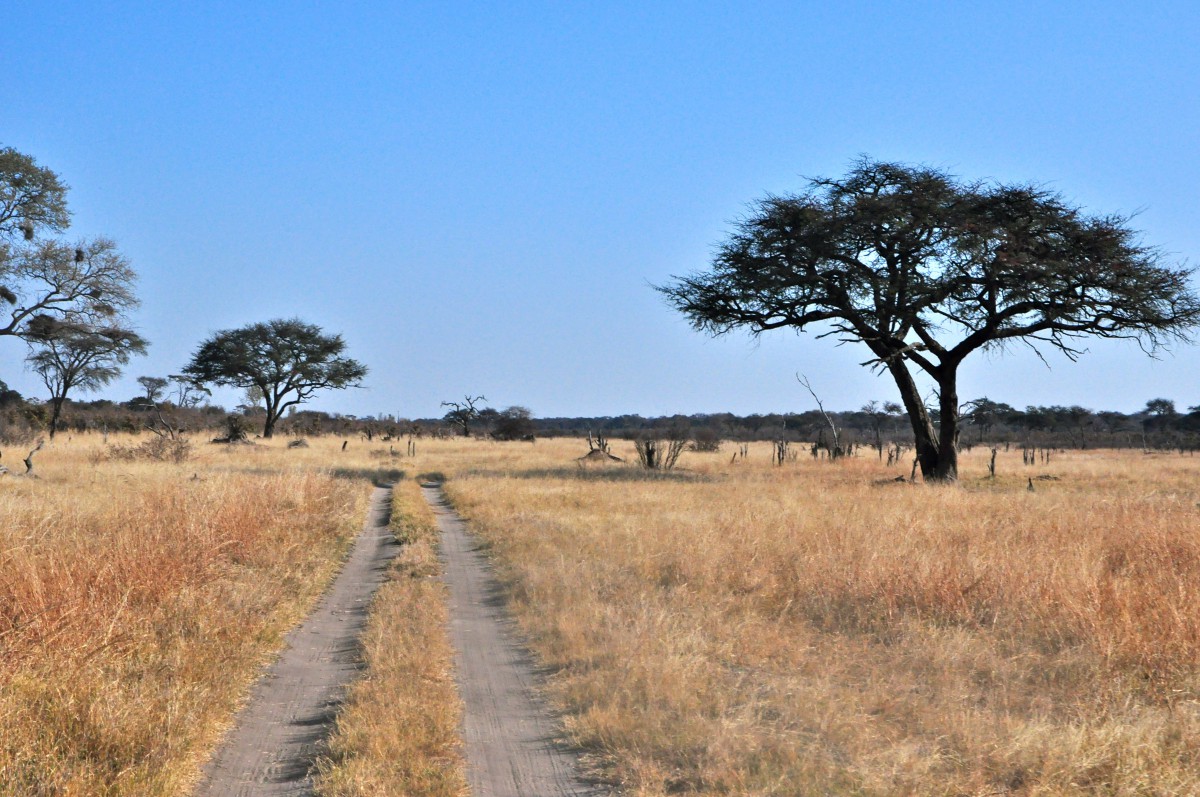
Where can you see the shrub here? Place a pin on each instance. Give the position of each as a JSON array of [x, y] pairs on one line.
[[159, 449]]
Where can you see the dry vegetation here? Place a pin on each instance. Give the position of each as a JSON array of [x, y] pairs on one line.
[[398, 734], [813, 629], [139, 597], [723, 629]]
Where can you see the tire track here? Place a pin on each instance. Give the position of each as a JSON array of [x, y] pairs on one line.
[[283, 728], [513, 744]]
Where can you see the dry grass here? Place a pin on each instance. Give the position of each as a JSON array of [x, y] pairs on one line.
[[398, 734], [731, 629], [743, 629], [138, 600]]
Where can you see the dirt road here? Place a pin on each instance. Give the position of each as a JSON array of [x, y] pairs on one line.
[[281, 730], [512, 740]]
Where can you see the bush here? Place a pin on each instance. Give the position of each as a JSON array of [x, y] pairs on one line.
[[159, 449], [706, 440], [659, 454]]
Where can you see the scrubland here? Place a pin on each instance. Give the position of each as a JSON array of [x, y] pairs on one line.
[[740, 628]]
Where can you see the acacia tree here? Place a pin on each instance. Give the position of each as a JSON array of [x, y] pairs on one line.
[[464, 413], [90, 282], [285, 360], [154, 386], [87, 283], [71, 356], [188, 393], [924, 270]]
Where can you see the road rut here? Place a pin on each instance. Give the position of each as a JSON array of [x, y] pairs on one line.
[[282, 729], [513, 744]]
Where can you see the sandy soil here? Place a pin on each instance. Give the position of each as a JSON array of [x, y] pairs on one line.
[[513, 744], [283, 727]]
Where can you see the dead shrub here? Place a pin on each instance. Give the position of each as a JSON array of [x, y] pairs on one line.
[[157, 449]]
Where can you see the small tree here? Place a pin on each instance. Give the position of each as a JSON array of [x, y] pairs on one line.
[[1161, 408], [154, 386], [188, 393], [286, 360], [463, 413], [514, 423], [925, 270], [75, 357]]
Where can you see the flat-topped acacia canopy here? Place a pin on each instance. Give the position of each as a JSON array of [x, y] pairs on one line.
[[924, 269]]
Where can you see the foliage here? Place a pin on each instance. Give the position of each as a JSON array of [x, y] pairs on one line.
[[188, 393], [154, 386], [73, 356], [1160, 406], [514, 423], [86, 283], [287, 360], [159, 449], [706, 440], [924, 270], [32, 199]]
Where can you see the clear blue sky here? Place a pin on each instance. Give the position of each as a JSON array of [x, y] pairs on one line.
[[479, 196]]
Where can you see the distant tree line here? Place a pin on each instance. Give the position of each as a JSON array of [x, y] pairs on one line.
[[1158, 425]]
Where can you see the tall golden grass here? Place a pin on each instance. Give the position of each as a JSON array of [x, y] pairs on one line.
[[816, 629], [138, 600], [725, 629]]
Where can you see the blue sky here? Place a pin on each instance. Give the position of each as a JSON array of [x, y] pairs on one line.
[[479, 196]]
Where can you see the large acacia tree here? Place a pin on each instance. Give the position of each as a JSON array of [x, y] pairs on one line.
[[924, 270], [286, 361]]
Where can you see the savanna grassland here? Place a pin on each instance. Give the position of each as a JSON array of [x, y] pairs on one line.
[[740, 628], [726, 628], [138, 600]]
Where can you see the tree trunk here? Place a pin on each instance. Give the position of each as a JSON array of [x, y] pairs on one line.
[[947, 461], [55, 413], [273, 413], [925, 437]]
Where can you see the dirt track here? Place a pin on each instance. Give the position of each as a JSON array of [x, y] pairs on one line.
[[513, 744], [281, 730]]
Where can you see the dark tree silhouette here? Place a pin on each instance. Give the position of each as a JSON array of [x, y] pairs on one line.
[[71, 357], [1160, 407], [464, 413], [924, 270], [514, 423], [286, 360]]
